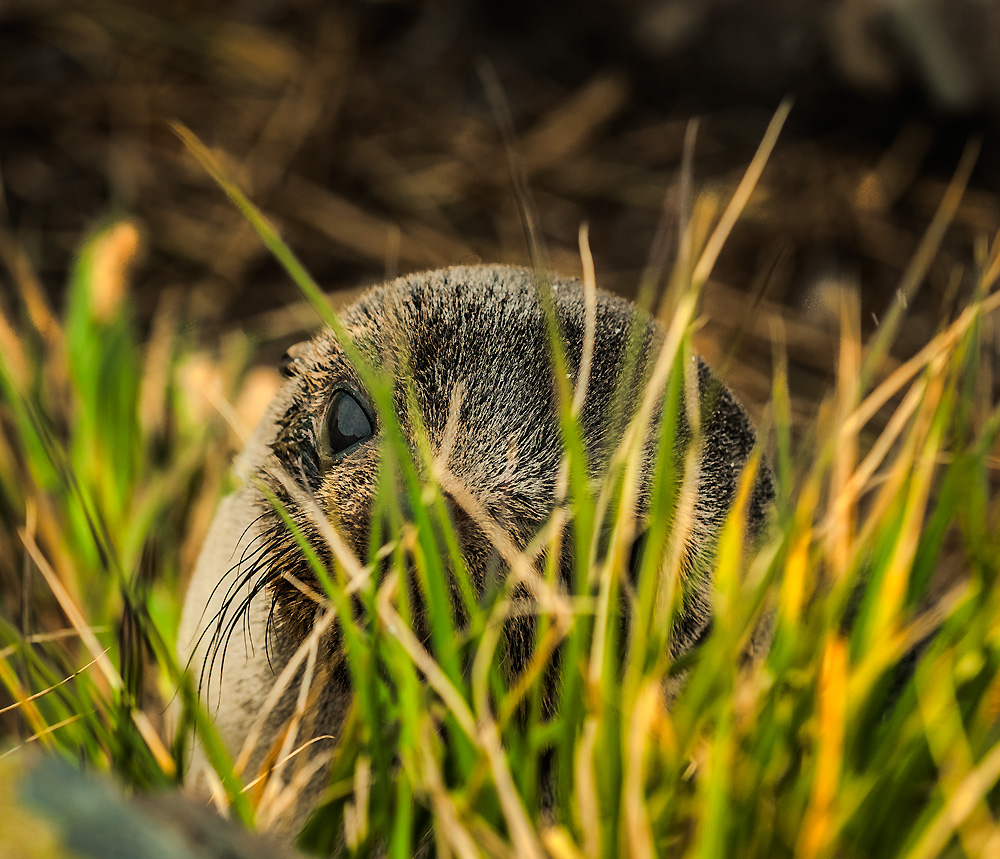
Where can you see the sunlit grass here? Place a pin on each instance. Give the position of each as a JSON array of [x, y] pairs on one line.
[[870, 727]]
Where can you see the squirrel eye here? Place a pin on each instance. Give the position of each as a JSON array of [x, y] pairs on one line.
[[347, 424]]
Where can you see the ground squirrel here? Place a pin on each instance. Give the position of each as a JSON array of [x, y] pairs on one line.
[[474, 343]]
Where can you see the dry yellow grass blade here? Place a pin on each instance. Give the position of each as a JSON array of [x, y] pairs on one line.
[[706, 262], [482, 732], [629, 451], [43, 692], [22, 699], [839, 531], [859, 481], [522, 833], [815, 837], [55, 635], [32, 292], [520, 563], [959, 805], [450, 833], [281, 684], [437, 679], [44, 732], [798, 577], [356, 812], [585, 785], [923, 466], [12, 349], [949, 745], [290, 732], [560, 844], [992, 269], [876, 661], [944, 343], [729, 554], [286, 798], [638, 833], [294, 753], [357, 573], [590, 322], [114, 255], [630, 455], [99, 654]]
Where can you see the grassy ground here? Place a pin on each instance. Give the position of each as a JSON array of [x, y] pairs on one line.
[[870, 728]]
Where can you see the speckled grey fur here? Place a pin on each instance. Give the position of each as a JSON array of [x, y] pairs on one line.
[[480, 328]]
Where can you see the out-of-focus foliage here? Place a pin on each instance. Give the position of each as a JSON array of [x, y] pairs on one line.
[[870, 728]]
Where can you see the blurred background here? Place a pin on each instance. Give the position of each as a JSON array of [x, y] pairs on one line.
[[374, 134], [365, 130]]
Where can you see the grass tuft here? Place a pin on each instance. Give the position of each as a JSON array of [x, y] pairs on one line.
[[865, 722]]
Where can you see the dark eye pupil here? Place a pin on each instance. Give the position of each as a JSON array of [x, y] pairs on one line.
[[348, 425]]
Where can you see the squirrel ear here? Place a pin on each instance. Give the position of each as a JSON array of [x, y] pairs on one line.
[[293, 354]]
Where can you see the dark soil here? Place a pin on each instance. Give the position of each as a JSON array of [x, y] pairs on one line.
[[366, 131]]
